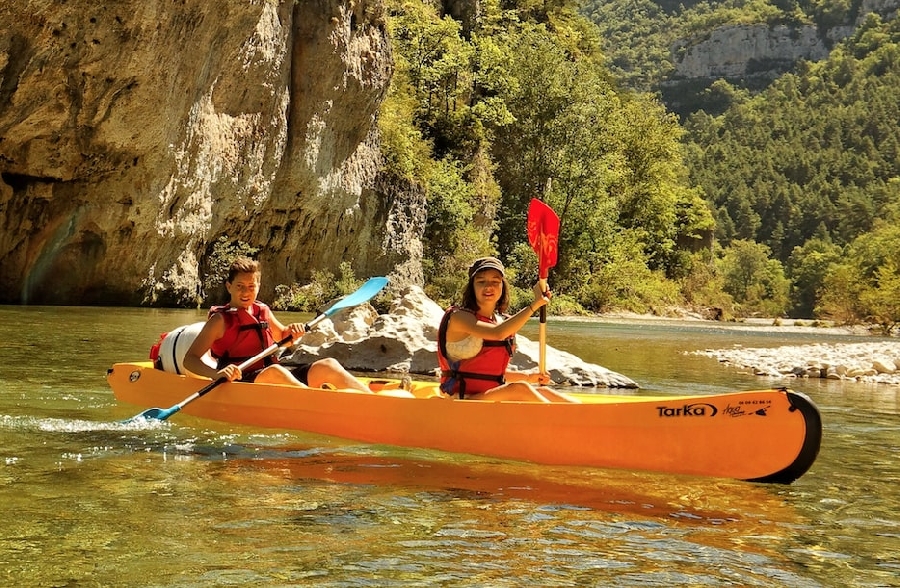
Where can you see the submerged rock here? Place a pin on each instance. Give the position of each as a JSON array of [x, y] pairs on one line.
[[405, 341]]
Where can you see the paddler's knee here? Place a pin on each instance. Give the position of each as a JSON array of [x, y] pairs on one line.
[[276, 374]]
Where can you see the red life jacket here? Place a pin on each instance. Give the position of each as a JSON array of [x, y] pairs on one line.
[[246, 334], [477, 374]]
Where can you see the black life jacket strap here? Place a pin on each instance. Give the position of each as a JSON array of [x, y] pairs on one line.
[[508, 343], [462, 376]]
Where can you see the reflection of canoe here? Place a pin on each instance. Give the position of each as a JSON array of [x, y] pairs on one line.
[[766, 436], [616, 491]]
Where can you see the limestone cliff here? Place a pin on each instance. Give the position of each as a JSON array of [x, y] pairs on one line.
[[755, 54], [742, 51], [134, 134]]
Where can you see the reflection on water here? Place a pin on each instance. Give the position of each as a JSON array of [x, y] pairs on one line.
[[90, 500]]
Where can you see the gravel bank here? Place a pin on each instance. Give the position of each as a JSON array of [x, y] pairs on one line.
[[863, 362]]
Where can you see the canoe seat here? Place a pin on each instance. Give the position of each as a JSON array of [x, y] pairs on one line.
[[405, 385]]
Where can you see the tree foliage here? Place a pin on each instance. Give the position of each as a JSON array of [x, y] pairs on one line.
[[754, 281], [757, 207], [521, 106], [864, 284]]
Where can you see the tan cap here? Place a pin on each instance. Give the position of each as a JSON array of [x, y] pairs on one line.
[[485, 263]]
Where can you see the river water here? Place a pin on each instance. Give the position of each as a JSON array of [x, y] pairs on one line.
[[89, 501]]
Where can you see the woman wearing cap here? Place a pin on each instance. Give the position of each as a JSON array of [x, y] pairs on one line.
[[475, 344]]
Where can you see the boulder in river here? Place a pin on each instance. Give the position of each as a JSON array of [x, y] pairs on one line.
[[405, 341]]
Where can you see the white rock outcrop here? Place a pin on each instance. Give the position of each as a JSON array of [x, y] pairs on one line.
[[732, 51], [874, 362], [405, 341], [763, 50]]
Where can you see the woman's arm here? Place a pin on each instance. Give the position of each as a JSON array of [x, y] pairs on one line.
[[463, 324], [531, 378]]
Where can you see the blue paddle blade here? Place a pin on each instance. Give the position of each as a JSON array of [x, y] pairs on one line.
[[154, 414], [365, 292]]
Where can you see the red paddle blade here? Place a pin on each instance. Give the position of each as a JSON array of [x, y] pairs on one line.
[[543, 234]]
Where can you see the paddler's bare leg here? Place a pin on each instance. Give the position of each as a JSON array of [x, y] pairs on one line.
[[522, 391], [275, 374], [554, 396], [330, 371]]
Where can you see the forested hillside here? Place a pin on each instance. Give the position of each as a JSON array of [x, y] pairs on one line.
[[798, 182], [812, 164], [801, 173]]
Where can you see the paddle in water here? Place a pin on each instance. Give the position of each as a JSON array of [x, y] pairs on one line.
[[365, 293], [543, 235]]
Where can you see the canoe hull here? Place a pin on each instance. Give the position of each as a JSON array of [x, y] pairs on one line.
[[765, 435]]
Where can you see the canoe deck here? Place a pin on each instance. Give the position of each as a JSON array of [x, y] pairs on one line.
[[763, 436]]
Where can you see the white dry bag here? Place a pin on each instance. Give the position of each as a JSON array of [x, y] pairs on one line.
[[175, 344]]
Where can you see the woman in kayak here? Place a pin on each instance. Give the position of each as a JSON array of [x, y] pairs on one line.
[[475, 343], [242, 328]]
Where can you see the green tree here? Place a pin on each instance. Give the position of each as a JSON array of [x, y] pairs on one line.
[[755, 282], [516, 104], [863, 286], [703, 285], [840, 296], [625, 282], [806, 268], [881, 301], [606, 162], [456, 229]]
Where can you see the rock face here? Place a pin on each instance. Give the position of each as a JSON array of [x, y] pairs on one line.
[[764, 51], [405, 341], [133, 135], [748, 50]]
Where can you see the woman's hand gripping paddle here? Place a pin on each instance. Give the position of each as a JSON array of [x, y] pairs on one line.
[[363, 294], [543, 235]]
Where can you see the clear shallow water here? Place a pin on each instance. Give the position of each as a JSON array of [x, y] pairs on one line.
[[89, 501]]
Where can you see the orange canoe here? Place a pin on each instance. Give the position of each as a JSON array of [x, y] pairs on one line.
[[762, 436]]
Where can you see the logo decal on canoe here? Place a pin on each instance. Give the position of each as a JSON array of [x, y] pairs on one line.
[[749, 408], [134, 376], [696, 409]]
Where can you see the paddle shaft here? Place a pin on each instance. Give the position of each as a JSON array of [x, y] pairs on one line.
[[242, 366], [542, 340]]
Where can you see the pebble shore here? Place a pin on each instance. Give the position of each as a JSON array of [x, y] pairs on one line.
[[877, 363]]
